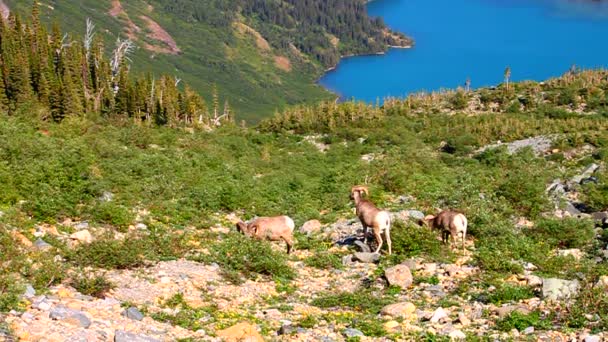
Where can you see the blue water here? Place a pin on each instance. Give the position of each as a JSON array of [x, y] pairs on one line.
[[454, 40]]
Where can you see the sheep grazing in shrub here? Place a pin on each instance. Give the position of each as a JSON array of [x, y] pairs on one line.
[[371, 216], [450, 223], [270, 228]]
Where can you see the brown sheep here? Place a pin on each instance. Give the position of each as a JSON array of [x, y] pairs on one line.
[[270, 228], [371, 216], [450, 223]]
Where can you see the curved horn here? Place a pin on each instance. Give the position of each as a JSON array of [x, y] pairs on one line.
[[360, 188]]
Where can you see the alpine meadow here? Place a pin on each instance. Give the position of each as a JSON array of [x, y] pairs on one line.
[[157, 157]]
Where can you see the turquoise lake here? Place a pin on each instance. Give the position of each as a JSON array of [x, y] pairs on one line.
[[454, 40]]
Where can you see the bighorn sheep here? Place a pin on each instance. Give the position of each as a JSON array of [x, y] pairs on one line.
[[450, 223], [370, 216], [270, 228]]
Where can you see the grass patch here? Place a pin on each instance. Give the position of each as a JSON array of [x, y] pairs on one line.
[[361, 301], [520, 321], [92, 285], [240, 256], [324, 261], [510, 293]]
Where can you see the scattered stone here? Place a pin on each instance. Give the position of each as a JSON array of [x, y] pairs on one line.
[[410, 263], [240, 332], [592, 338], [457, 335], [556, 289], [133, 313], [603, 282], [588, 172], [574, 252], [286, 329], [311, 227], [399, 275], [405, 199], [571, 209], [369, 258], [439, 315], [415, 214], [462, 318], [430, 268], [123, 336], [71, 316], [42, 304], [539, 145], [347, 260], [22, 239], [350, 333], [106, 197], [364, 248], [141, 226], [83, 236], [81, 225], [528, 331], [42, 245], [399, 310], [504, 311], [390, 325], [533, 281], [452, 269], [30, 292]]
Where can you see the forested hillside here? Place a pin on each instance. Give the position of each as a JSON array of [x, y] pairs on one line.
[[260, 55]]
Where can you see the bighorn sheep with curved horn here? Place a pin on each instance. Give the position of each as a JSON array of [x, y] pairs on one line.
[[371, 216], [269, 228], [450, 223]]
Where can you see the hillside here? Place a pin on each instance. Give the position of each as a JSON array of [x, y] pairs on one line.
[[262, 55], [100, 215]]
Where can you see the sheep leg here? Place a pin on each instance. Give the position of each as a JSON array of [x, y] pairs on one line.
[[387, 235], [364, 234], [463, 241], [289, 243], [379, 239], [453, 244]]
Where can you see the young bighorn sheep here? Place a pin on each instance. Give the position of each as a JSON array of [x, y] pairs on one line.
[[270, 228], [370, 216], [450, 223]]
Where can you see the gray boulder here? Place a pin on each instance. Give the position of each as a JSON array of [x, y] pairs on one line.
[[368, 258], [311, 227], [42, 245], [362, 246], [350, 333], [75, 317], [399, 275], [133, 313], [558, 289]]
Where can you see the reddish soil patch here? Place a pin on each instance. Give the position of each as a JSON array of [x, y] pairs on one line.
[[282, 63], [159, 34], [4, 10]]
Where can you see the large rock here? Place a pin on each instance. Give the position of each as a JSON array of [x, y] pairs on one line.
[[42, 245], [239, 333], [415, 214], [123, 336], [83, 236], [351, 333], [557, 289], [590, 170], [71, 316], [440, 315], [362, 246], [311, 227], [399, 310], [573, 252], [133, 313], [399, 275], [366, 257]]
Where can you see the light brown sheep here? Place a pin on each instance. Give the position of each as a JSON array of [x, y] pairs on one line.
[[371, 216], [270, 228], [450, 223]]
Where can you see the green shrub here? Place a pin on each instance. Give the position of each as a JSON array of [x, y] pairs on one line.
[[362, 300], [10, 292], [113, 214], [566, 233], [590, 302], [239, 255], [520, 321], [510, 293], [92, 285], [109, 254], [324, 260], [412, 240]]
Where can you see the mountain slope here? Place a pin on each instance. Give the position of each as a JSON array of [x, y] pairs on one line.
[[259, 62]]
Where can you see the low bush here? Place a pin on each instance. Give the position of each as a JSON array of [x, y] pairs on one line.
[[239, 255], [95, 285]]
